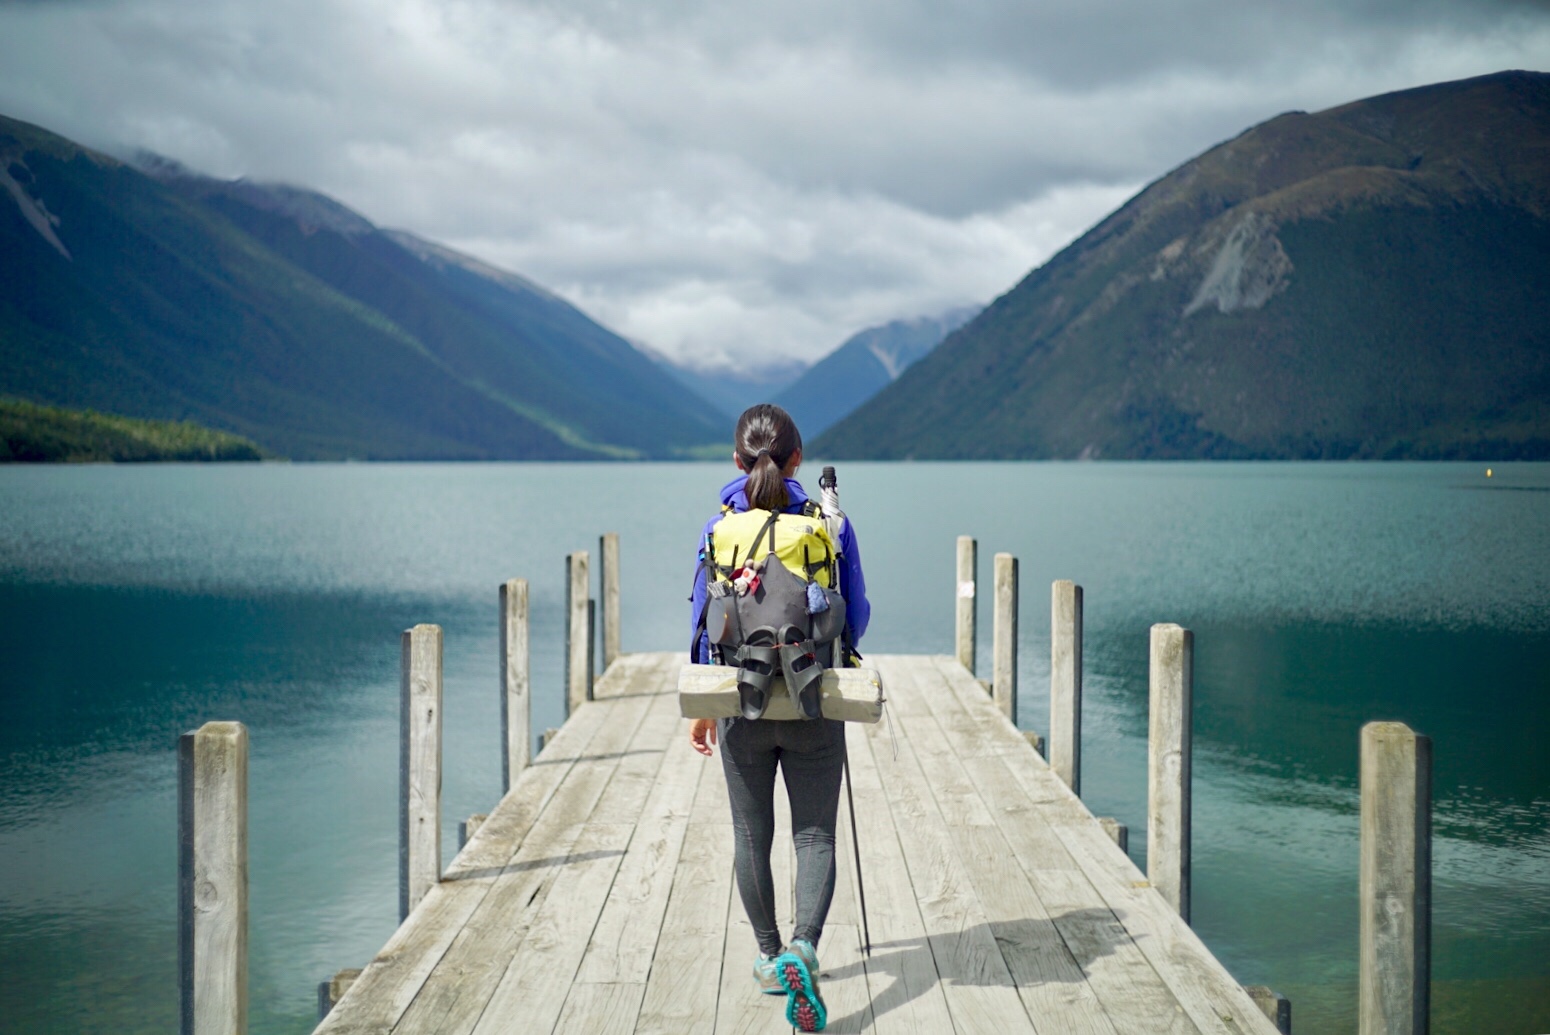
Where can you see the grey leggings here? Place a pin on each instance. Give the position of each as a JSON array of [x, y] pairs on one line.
[[811, 755]]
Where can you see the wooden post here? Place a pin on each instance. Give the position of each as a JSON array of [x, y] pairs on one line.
[[608, 547], [1004, 646], [1396, 881], [419, 776], [213, 879], [1065, 683], [1168, 764], [333, 990], [592, 644], [1118, 832], [577, 642], [1274, 1005], [516, 683], [469, 827], [968, 563]]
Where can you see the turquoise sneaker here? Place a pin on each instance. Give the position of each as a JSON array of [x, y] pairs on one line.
[[797, 969], [765, 974]]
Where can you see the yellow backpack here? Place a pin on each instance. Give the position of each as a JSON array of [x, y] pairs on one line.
[[773, 603], [799, 541]]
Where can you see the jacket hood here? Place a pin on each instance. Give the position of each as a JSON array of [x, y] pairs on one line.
[[732, 494]]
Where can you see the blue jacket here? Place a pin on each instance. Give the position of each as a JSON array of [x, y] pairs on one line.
[[852, 583]]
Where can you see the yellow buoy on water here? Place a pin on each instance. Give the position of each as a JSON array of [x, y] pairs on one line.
[[1488, 472]]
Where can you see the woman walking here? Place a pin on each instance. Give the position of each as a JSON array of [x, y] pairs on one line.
[[809, 753]]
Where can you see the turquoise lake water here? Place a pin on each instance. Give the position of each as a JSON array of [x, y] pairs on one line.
[[139, 602]]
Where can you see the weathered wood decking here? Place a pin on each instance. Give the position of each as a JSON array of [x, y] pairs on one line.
[[598, 896]]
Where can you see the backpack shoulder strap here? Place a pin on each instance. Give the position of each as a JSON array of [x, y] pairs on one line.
[[768, 529]]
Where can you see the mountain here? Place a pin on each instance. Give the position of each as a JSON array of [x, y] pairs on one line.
[[1368, 281], [728, 391], [865, 364], [280, 315]]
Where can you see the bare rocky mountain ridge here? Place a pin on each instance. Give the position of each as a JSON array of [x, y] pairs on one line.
[[1371, 280]]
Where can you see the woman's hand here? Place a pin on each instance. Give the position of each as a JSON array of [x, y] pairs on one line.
[[702, 734]]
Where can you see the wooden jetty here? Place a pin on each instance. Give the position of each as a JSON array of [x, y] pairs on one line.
[[598, 896]]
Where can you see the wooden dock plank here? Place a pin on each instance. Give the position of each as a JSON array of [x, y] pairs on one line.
[[599, 896], [685, 979], [907, 994], [387, 986], [684, 985], [741, 1009], [533, 989], [480, 959], [1135, 998], [1054, 987], [1050, 981], [979, 988], [1067, 930], [844, 980], [1201, 985], [1212, 998], [481, 951], [626, 934], [847, 987], [601, 1008]]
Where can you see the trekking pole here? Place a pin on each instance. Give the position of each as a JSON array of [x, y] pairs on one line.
[[866, 933], [834, 521]]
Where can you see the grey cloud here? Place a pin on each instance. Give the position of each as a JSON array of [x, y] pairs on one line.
[[1082, 43], [727, 179]]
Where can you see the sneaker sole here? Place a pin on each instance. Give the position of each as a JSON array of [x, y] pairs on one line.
[[804, 1007]]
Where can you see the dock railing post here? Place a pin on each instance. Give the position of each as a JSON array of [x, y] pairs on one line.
[[608, 547], [419, 782], [1169, 746], [516, 683], [1065, 683], [213, 880], [1396, 881], [1118, 832], [578, 643], [968, 554], [333, 990], [469, 827], [1275, 1006], [1004, 647]]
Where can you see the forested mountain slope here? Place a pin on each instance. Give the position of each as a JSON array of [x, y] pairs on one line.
[[279, 315], [1368, 281]]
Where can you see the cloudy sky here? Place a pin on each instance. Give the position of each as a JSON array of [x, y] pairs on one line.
[[728, 180]]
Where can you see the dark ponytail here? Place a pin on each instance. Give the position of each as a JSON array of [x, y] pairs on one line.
[[766, 439]]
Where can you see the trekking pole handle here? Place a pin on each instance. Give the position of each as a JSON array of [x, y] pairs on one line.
[[829, 487]]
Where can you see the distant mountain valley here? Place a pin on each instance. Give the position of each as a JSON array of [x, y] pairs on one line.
[[818, 394]]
